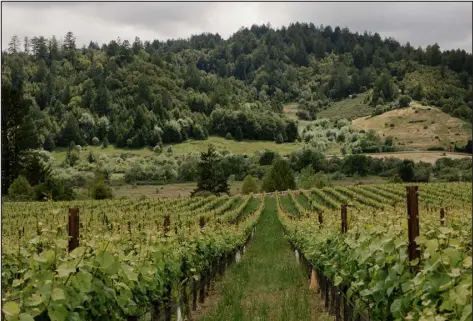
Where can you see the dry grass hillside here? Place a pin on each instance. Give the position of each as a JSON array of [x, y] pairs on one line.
[[417, 127]]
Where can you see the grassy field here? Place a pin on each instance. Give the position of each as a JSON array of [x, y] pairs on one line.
[[417, 127], [156, 191], [60, 153], [244, 147], [347, 108], [268, 284]]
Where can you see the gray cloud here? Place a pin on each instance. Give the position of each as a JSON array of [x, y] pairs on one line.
[[448, 24]]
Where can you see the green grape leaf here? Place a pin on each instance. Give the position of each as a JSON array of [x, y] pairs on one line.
[[26, 317], [11, 310], [467, 262], [58, 294], [17, 282], [396, 308], [65, 269], [57, 312]]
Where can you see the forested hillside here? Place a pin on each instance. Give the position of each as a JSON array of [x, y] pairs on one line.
[[136, 94]]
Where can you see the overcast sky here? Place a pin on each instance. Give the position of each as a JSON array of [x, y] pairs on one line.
[[448, 24]]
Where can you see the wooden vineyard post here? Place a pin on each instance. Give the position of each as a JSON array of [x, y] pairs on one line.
[[194, 295], [202, 222], [413, 221], [155, 316], [168, 306], [321, 220], [313, 280], [202, 289], [73, 228], [167, 224], [442, 216], [344, 218]]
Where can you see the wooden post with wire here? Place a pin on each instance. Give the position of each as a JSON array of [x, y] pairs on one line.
[[413, 221], [73, 229], [442, 216], [167, 224], [344, 218]]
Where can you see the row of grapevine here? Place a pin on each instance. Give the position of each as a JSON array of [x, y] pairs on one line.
[[126, 264], [370, 262]]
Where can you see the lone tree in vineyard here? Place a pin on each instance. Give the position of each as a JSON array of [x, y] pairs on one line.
[[211, 176]]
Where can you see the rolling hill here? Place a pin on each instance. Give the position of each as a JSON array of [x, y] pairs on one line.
[[417, 127]]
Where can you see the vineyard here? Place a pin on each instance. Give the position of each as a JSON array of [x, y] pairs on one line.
[[144, 260], [369, 263], [133, 258]]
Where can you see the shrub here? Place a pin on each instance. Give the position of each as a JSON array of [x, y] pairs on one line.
[[377, 111], [436, 148], [337, 176], [169, 150], [20, 190], [279, 139], [406, 170], [308, 179], [267, 157], [250, 185], [157, 149], [425, 127], [229, 136], [91, 157], [100, 190], [238, 134], [54, 188], [404, 101], [395, 178], [303, 115], [72, 157], [105, 142], [95, 141]]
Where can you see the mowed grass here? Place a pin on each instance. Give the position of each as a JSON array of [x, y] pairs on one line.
[[417, 127], [157, 191], [301, 199], [249, 147], [289, 205], [250, 207], [268, 284], [347, 108], [60, 153]]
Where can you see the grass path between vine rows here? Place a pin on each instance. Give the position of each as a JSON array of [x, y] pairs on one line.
[[267, 284]]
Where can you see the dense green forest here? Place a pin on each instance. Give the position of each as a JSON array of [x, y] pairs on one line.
[[152, 93]]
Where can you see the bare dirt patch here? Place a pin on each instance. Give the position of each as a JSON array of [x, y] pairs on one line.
[[428, 157]]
